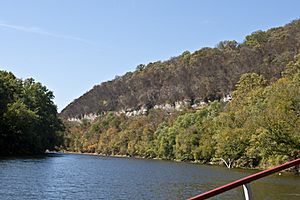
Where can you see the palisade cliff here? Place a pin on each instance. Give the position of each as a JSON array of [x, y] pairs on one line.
[[202, 76]]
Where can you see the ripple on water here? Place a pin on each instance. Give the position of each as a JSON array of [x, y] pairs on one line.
[[65, 176]]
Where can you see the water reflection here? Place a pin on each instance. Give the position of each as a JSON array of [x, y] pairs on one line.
[[61, 176]]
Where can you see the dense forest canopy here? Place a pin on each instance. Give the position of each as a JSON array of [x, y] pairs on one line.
[[260, 127], [29, 122], [204, 75]]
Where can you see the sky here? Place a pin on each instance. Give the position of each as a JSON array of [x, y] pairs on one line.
[[72, 45]]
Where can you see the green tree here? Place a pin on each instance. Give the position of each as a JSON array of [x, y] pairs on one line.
[[28, 117]]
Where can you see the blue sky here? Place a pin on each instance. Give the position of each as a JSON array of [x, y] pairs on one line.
[[72, 45]]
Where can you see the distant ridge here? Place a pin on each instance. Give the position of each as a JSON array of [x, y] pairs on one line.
[[204, 75]]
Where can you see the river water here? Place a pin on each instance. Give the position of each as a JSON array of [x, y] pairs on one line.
[[69, 176]]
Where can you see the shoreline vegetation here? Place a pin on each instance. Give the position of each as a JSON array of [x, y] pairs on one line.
[[29, 123], [259, 128]]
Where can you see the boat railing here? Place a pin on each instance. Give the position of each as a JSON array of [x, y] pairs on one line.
[[245, 182]]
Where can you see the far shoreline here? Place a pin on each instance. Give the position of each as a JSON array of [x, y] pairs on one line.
[[160, 159], [290, 171]]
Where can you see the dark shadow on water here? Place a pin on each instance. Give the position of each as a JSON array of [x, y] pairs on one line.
[[31, 157], [54, 154]]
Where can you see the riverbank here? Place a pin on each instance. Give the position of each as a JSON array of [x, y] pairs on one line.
[[220, 164]]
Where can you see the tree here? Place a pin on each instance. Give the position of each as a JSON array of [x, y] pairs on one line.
[[21, 137], [257, 39], [29, 123], [140, 67]]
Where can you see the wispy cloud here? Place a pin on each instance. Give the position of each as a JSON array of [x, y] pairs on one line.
[[40, 31]]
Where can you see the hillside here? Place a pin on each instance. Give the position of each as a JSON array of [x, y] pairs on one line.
[[258, 128], [204, 75]]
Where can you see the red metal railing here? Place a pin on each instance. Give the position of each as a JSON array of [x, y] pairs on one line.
[[245, 181]]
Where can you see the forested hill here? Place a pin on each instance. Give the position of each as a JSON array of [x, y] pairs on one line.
[[206, 74]]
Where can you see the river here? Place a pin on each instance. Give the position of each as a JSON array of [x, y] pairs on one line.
[[76, 177]]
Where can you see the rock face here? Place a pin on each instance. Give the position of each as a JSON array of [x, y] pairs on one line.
[[131, 112], [205, 75]]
